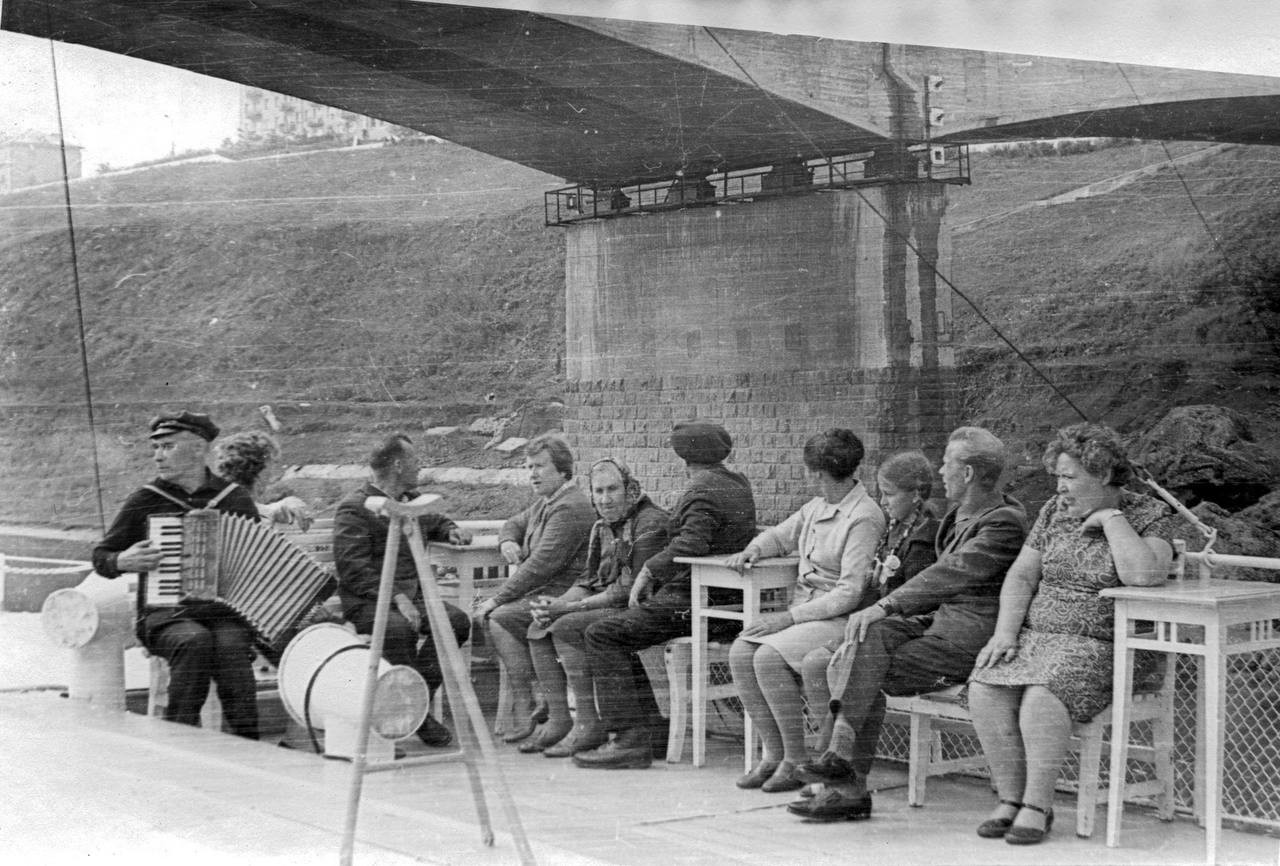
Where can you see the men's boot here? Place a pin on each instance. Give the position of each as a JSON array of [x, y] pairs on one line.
[[630, 749]]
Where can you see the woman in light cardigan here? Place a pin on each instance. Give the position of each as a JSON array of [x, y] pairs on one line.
[[835, 535]]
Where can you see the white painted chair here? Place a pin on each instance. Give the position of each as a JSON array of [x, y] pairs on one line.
[[678, 664], [933, 713]]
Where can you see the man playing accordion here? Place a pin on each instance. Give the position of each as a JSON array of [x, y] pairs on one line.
[[202, 642]]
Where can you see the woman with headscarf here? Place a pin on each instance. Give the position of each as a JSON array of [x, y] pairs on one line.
[[630, 530]]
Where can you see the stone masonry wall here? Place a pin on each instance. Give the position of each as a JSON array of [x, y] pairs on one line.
[[779, 319], [769, 415]]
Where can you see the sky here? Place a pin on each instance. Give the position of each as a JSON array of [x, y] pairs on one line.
[[123, 111]]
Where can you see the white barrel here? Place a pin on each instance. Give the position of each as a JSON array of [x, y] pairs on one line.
[[322, 674]]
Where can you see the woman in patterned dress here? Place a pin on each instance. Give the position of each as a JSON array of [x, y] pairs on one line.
[[1050, 659]]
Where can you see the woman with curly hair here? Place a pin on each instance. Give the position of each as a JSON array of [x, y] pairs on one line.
[[242, 458], [1050, 660]]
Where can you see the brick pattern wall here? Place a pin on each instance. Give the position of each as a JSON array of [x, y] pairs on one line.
[[769, 415]]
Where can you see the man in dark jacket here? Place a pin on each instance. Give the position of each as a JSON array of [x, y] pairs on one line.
[[715, 516], [926, 634], [359, 545], [202, 642]]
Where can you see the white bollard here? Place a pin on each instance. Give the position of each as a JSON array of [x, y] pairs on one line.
[[95, 621]]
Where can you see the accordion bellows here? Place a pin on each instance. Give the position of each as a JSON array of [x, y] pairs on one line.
[[246, 565]]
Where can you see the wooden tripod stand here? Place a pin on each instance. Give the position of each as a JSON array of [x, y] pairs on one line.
[[477, 748]]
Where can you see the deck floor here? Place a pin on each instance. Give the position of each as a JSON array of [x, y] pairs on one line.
[[87, 786], [80, 785]]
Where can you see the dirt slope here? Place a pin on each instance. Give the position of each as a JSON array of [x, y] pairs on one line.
[[409, 287]]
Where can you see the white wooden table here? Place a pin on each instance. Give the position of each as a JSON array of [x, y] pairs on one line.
[[480, 567], [1208, 619], [709, 572]]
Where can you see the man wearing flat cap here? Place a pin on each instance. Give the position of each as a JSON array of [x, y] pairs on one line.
[[716, 515], [200, 642]]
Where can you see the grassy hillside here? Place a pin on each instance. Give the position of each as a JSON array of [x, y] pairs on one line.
[[1161, 293], [405, 287]]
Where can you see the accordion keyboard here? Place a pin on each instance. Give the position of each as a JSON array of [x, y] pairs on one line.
[[164, 583]]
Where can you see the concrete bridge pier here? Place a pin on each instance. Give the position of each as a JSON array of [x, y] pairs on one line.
[[779, 317]]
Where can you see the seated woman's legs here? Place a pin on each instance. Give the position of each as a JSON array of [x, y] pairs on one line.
[[1046, 734], [551, 682], [569, 653], [781, 688], [742, 663], [995, 711], [509, 628]]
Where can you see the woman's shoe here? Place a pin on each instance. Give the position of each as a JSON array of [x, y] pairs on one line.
[[756, 778], [518, 734], [578, 740], [531, 746], [995, 828], [783, 779], [1017, 835], [547, 737], [811, 790]]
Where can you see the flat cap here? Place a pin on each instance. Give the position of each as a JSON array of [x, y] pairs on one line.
[[189, 422], [700, 442]]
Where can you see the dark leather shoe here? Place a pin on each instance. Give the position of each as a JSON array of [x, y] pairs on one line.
[[434, 734], [531, 746], [1018, 835], [783, 779], [829, 768], [758, 776], [624, 752], [546, 737], [579, 740], [995, 828], [833, 805], [517, 734]]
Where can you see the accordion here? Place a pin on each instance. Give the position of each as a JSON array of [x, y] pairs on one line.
[[245, 565]]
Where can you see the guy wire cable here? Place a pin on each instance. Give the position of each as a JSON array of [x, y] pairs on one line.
[[906, 241], [1217, 244], [75, 279]]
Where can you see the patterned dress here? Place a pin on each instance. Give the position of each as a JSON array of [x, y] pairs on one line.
[[1066, 642]]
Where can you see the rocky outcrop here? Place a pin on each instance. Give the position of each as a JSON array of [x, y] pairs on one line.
[[1208, 454], [1207, 457], [1236, 534]]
